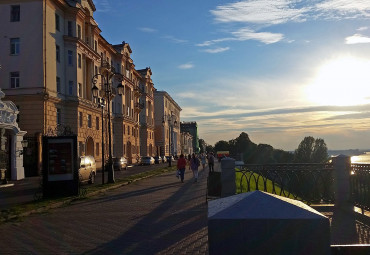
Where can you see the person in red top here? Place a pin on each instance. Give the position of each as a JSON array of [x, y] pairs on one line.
[[181, 165]]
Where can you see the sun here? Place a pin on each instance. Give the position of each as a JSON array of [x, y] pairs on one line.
[[341, 81]]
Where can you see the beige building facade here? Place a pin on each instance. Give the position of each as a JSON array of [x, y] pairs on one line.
[[167, 124], [147, 114], [50, 51]]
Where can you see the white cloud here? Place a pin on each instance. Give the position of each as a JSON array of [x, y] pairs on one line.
[[260, 12], [362, 28], [217, 50], [345, 6], [186, 66], [174, 39], [265, 37], [357, 38], [147, 29]]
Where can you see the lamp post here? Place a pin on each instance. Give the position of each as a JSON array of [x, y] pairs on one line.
[[107, 73], [171, 119]]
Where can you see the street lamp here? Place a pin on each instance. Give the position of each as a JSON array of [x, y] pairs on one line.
[[107, 72], [171, 119]]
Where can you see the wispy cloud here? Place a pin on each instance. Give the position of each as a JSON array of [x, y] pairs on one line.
[[174, 39], [217, 50], [147, 29], [357, 38], [260, 12], [103, 6], [186, 66], [265, 37], [362, 28]]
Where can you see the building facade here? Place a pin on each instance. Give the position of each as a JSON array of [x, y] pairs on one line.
[[147, 114], [191, 128], [186, 143], [48, 64], [167, 124]]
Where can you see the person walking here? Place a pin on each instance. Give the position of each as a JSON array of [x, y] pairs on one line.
[[194, 164], [203, 160], [181, 165], [211, 162], [189, 159]]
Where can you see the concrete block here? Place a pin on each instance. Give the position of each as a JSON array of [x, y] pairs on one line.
[[262, 223]]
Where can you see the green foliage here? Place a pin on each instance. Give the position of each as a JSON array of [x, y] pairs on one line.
[[311, 150], [253, 153]]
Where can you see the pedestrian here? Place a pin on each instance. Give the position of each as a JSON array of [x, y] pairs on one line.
[[181, 165], [203, 160], [194, 164], [189, 159], [211, 162]]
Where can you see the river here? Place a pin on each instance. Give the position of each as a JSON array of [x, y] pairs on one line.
[[361, 159]]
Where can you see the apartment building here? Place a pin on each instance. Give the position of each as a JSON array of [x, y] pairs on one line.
[[50, 51], [167, 124], [147, 114], [191, 128]]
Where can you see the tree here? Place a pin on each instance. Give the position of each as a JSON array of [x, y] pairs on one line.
[[222, 146], [311, 150]]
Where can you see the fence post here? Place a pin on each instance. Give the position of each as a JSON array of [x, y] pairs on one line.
[[228, 177]]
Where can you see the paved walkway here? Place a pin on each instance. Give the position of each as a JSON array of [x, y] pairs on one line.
[[158, 215]]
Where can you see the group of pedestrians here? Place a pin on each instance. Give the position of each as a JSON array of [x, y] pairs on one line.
[[193, 162]]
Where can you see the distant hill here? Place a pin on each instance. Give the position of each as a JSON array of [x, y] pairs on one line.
[[349, 152]]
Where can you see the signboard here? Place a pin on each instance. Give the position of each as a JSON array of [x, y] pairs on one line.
[[60, 166]]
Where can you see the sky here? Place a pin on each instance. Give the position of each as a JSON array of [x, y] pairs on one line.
[[279, 70]]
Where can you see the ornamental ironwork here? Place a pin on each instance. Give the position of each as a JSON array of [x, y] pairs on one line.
[[309, 183], [360, 185]]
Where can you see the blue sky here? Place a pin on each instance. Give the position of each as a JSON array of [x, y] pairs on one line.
[[278, 70]]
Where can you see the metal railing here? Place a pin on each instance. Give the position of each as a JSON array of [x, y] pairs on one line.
[[360, 185], [309, 183]]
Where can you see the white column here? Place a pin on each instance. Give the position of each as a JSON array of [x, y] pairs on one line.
[[17, 169]]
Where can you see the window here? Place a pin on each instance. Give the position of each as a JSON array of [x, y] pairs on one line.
[[70, 88], [96, 70], [128, 130], [80, 118], [79, 60], [15, 13], [69, 28], [59, 117], [95, 45], [57, 22], [79, 31], [124, 129], [58, 84], [89, 124], [58, 53], [14, 46], [97, 123], [14, 80], [70, 58]]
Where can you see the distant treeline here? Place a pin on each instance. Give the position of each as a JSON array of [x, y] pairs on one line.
[[310, 150]]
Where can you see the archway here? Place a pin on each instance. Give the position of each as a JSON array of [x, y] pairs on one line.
[[90, 147]]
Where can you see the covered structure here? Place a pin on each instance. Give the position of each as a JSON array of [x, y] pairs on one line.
[[11, 137]]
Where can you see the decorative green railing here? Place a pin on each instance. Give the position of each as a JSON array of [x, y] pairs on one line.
[[310, 183]]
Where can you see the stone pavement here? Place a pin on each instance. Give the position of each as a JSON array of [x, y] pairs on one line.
[[158, 215]]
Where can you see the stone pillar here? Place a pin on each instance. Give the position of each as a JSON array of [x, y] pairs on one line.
[[228, 177], [343, 226], [342, 166], [17, 169]]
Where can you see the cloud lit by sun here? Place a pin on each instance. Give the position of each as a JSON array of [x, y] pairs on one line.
[[341, 81]]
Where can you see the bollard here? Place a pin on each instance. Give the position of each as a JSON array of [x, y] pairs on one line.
[[228, 177]]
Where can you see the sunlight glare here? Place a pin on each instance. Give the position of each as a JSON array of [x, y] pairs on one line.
[[342, 81]]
